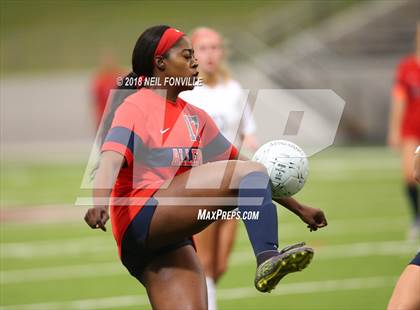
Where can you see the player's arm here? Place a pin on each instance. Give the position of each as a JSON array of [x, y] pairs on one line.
[[116, 149], [314, 217], [109, 167], [398, 103]]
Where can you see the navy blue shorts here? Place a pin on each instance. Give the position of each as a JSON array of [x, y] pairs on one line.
[[135, 255], [416, 259]]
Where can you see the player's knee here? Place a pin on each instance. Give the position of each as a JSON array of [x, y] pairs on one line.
[[252, 166], [244, 168]]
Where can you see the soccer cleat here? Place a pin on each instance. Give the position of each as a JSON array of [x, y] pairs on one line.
[[290, 259], [293, 246]]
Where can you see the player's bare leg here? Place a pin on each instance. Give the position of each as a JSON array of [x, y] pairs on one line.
[[406, 293], [409, 146], [182, 267], [175, 222]]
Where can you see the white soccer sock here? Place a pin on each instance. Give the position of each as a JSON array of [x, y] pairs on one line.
[[211, 294]]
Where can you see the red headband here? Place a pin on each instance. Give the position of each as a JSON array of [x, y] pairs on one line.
[[168, 39]]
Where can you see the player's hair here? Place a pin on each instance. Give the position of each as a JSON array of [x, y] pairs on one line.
[[142, 65], [143, 53]]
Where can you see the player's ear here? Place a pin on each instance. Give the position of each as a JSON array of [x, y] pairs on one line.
[[159, 63]]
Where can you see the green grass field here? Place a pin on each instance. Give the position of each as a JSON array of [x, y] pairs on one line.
[[357, 261]]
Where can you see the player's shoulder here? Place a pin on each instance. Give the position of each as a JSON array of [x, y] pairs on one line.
[[232, 88], [407, 62], [188, 96], [233, 84], [196, 95], [193, 109], [134, 105], [188, 104], [142, 100]]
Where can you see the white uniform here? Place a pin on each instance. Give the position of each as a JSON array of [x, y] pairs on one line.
[[226, 103]]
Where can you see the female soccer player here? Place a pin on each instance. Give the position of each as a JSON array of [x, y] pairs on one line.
[[165, 161], [404, 127], [223, 99]]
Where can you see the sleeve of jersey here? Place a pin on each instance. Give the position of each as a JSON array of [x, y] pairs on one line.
[[399, 91], [217, 147], [121, 136]]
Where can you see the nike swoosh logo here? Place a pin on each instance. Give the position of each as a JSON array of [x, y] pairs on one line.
[[162, 131]]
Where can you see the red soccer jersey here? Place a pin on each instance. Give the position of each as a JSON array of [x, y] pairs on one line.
[[407, 89], [159, 139]]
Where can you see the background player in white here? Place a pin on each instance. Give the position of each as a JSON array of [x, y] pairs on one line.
[[225, 101]]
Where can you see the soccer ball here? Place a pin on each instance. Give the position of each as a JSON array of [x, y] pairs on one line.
[[287, 166]]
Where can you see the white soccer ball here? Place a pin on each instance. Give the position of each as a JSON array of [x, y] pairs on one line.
[[287, 166]]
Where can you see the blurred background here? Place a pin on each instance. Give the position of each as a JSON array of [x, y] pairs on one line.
[[55, 57]]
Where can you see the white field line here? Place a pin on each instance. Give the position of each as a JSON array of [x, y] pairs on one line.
[[61, 272], [49, 248], [223, 294], [91, 245], [311, 287], [387, 248]]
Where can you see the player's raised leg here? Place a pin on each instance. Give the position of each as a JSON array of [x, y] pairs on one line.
[[172, 222], [249, 182]]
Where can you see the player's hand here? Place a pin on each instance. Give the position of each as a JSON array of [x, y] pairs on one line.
[[97, 217], [314, 217]]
